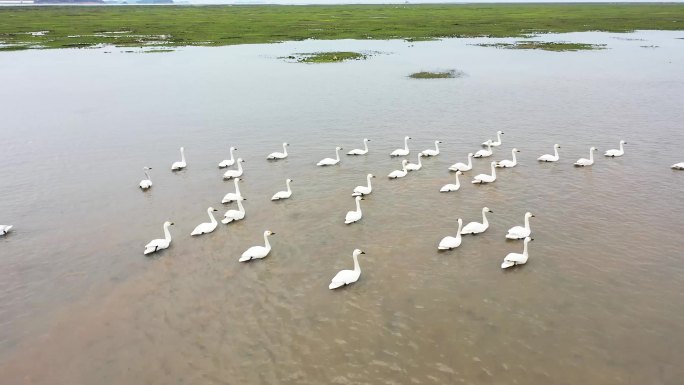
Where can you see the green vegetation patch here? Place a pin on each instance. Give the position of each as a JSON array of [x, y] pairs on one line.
[[436, 75], [14, 48], [326, 57], [545, 45], [217, 25]]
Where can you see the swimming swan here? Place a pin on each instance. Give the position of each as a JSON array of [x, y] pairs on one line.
[[476, 227], [206, 227], [233, 196], [509, 163], [234, 215], [399, 173], [345, 277], [484, 153], [353, 216], [549, 157], [228, 162], [614, 153], [146, 183], [176, 166], [520, 232], [160, 244], [498, 140], [4, 229], [359, 151], [448, 243], [279, 155], [513, 259], [452, 187], [486, 178], [463, 167], [258, 252], [234, 173], [581, 162], [678, 166], [364, 190], [402, 151], [431, 152], [415, 166], [283, 194], [331, 161]]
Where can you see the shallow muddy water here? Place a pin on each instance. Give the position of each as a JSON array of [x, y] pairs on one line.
[[598, 302]]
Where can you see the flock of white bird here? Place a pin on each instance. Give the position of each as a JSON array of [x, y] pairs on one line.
[[346, 277]]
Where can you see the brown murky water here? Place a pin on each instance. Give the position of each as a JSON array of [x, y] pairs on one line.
[[599, 301]]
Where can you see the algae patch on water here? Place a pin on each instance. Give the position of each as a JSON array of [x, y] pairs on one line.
[[546, 45], [326, 57], [450, 74]]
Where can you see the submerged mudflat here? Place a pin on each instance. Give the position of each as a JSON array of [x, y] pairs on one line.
[[80, 27]]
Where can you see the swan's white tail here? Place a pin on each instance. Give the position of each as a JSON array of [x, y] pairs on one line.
[[507, 264], [149, 250], [335, 285], [244, 259], [226, 221], [512, 236]]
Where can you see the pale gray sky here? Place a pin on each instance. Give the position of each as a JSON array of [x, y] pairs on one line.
[[401, 1]]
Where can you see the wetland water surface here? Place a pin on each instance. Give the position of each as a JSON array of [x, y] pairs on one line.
[[598, 302]]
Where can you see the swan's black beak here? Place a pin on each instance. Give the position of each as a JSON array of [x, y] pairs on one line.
[[363, 252], [531, 239], [172, 223], [272, 233], [244, 199], [533, 216], [491, 211]]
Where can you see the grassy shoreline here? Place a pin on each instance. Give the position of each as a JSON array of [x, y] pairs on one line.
[[173, 26]]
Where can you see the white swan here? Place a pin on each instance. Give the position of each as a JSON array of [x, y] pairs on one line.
[[448, 243], [452, 187], [462, 166], [399, 173], [509, 163], [206, 227], [4, 229], [353, 216], [513, 259], [228, 162], [364, 190], [331, 161], [234, 173], [179, 165], [614, 153], [402, 151], [678, 166], [146, 183], [258, 252], [345, 277], [477, 227], [581, 162], [520, 232], [492, 143], [431, 152], [234, 215], [279, 155], [484, 153], [233, 196], [359, 151], [283, 194], [549, 157], [486, 178], [160, 244], [415, 166]]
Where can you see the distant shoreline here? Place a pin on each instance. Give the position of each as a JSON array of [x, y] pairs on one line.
[[173, 25]]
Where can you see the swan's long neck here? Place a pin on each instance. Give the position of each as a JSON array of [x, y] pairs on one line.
[[287, 182], [555, 151], [498, 137], [514, 159], [527, 223], [183, 155], [337, 154], [357, 268], [420, 162], [437, 146], [237, 187], [591, 155], [240, 166], [266, 244], [368, 178], [484, 218], [232, 158], [621, 149], [211, 216], [525, 247], [365, 145], [167, 234], [242, 209], [284, 149], [406, 144], [460, 226], [147, 175], [493, 171], [403, 167], [358, 205], [470, 161]]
